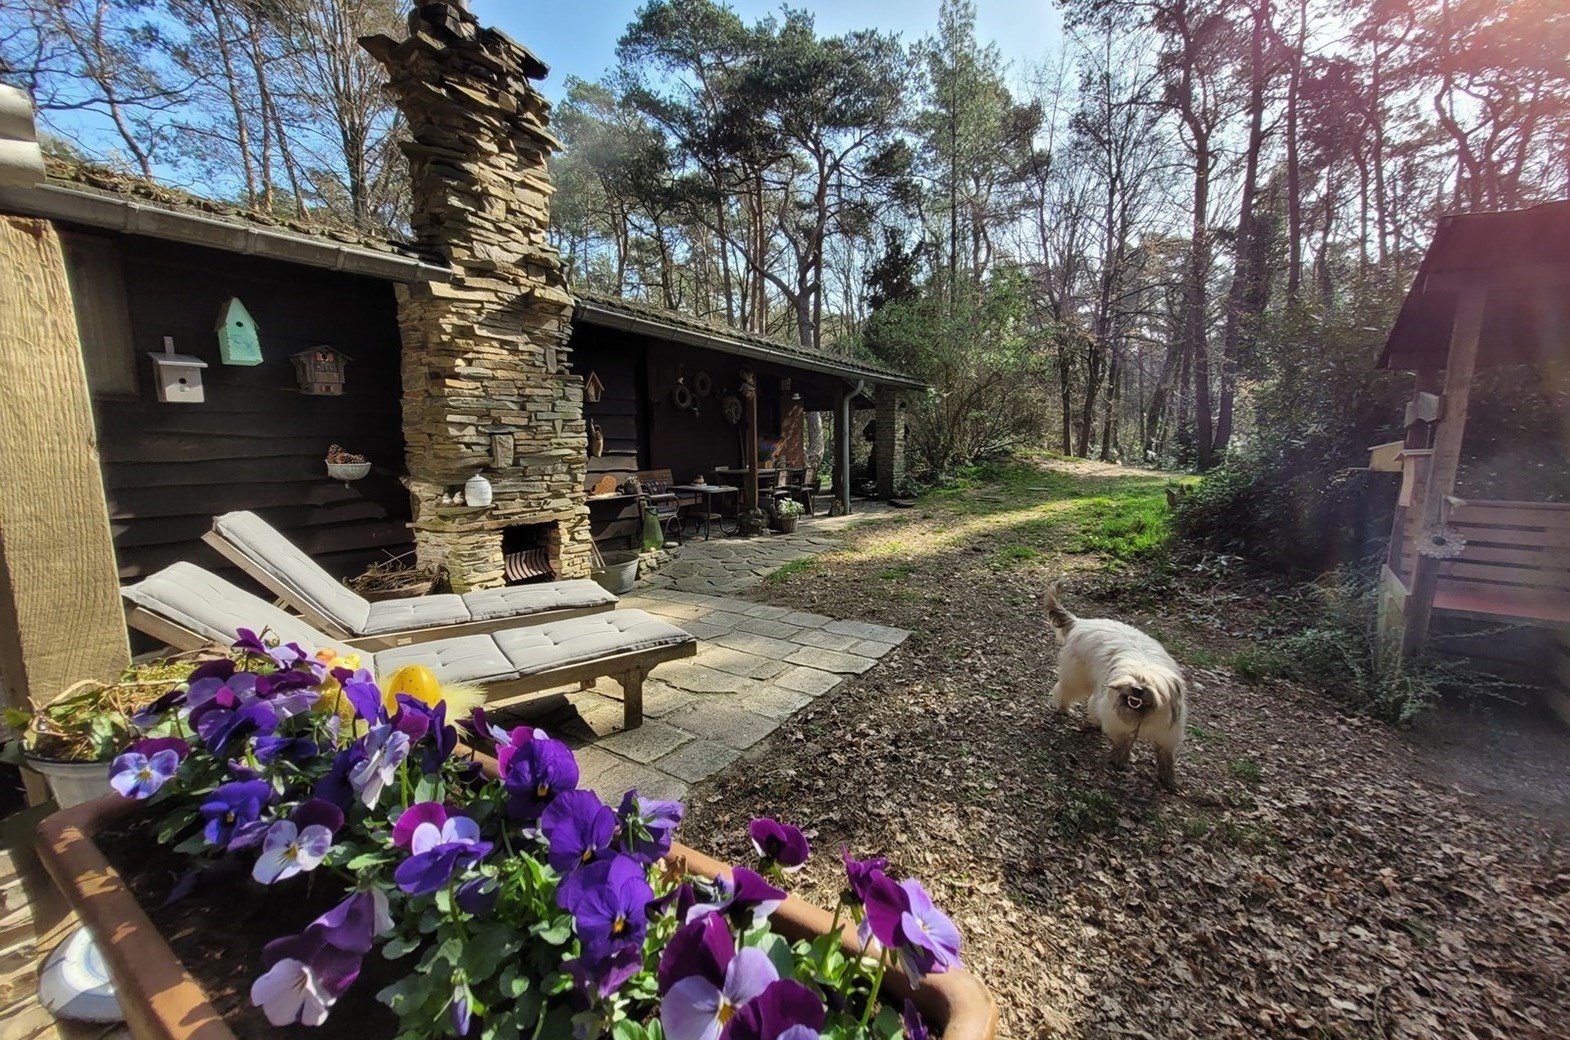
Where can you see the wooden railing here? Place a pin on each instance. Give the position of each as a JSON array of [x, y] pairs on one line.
[[1515, 561]]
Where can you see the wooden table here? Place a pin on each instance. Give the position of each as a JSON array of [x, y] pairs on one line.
[[707, 492], [764, 473]]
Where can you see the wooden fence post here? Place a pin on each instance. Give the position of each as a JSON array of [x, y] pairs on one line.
[[60, 615]]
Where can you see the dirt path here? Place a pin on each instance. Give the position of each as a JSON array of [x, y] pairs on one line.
[[1316, 878]]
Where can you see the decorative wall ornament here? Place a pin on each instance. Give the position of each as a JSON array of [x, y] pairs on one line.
[[320, 370], [731, 408], [681, 396], [702, 384], [178, 377], [593, 389], [596, 440]]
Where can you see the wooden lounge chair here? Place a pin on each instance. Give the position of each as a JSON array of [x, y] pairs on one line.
[[279, 565], [190, 607]]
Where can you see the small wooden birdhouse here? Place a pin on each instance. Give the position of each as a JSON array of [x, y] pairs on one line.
[[593, 389], [177, 377], [238, 336], [320, 370]]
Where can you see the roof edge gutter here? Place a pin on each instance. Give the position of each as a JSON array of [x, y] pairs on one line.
[[136, 217], [610, 318]]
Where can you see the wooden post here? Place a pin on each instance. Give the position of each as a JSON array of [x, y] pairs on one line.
[[1449, 431], [842, 450], [750, 492], [60, 615]]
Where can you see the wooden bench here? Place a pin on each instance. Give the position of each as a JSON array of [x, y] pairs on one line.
[[1515, 562]]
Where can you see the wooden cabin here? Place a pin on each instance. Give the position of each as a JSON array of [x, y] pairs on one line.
[[1482, 528]]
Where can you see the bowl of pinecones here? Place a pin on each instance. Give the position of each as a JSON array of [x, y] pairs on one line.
[[345, 465]]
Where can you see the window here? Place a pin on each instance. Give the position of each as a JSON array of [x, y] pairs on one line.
[[103, 317]]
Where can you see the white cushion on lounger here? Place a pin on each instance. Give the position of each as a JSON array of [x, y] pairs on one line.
[[215, 609], [581, 639], [287, 564], [522, 600], [459, 659], [414, 612]]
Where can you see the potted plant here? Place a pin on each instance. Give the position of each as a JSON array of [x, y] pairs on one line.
[[71, 740], [346, 465], [502, 899], [786, 512]]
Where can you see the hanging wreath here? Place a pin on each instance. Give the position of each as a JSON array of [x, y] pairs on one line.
[[681, 397], [702, 384], [731, 407]]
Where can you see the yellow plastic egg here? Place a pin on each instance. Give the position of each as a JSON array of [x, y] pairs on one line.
[[412, 680]]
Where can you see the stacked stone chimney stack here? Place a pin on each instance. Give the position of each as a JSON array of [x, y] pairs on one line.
[[486, 382]]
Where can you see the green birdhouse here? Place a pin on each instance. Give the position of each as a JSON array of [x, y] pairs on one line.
[[238, 343]]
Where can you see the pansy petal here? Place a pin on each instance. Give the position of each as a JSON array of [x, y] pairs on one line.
[[691, 1010], [418, 813]]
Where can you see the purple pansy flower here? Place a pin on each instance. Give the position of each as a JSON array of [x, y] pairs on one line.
[[903, 918], [135, 775], [459, 1007], [233, 813], [744, 898], [779, 844], [608, 901], [607, 973], [537, 771], [289, 849], [152, 745], [308, 972], [579, 828], [290, 749], [438, 845], [477, 896], [700, 1007], [700, 947], [229, 715], [419, 720], [247, 640], [860, 874], [384, 749], [334, 785], [365, 697], [509, 741], [646, 826], [356, 921], [785, 1010], [915, 1025]]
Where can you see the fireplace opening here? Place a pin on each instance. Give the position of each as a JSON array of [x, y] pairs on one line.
[[526, 553]]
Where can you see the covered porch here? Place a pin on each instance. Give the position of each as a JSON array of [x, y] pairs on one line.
[[1482, 527], [677, 400]]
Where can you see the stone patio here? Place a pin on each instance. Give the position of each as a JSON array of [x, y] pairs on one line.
[[756, 666]]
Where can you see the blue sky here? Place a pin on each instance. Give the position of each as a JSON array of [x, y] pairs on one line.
[[579, 38]]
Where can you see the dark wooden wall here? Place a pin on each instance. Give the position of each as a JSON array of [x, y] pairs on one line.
[[256, 442], [622, 415]]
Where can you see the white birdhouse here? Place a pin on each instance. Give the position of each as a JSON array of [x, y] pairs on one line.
[[178, 377]]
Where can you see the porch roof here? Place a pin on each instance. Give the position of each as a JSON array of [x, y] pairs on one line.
[[614, 312], [1521, 261]]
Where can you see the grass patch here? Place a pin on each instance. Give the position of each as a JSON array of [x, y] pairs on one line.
[[1246, 769], [897, 573], [791, 569], [1247, 836], [1084, 812], [1126, 528], [1012, 554], [1195, 828], [1201, 735]]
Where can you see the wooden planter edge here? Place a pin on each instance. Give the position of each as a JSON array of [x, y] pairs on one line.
[[162, 1001]]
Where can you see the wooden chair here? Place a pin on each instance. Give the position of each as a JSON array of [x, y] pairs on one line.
[[665, 504], [806, 489]]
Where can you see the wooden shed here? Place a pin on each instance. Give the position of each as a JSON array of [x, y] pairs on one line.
[[1492, 295]]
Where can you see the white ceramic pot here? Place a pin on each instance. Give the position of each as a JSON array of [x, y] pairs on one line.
[[477, 490], [72, 783]]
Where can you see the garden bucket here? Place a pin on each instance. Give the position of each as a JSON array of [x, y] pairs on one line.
[[619, 572]]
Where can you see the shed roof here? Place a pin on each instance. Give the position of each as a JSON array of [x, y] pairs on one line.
[[616, 312], [1520, 259], [95, 196]]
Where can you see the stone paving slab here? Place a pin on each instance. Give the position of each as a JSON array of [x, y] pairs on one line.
[[756, 666]]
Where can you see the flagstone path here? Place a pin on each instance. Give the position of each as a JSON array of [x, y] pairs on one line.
[[756, 666]]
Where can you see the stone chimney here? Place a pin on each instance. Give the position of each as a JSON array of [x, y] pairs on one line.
[[486, 383]]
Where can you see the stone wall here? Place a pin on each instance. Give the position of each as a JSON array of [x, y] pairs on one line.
[[889, 444], [486, 382]]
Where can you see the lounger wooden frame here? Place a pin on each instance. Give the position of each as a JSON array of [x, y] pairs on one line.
[[628, 669], [386, 640]]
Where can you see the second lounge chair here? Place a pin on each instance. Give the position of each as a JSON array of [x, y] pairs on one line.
[[257, 548], [189, 607]]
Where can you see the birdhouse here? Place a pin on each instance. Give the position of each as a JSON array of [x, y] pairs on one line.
[[593, 389], [320, 370], [177, 377], [238, 342]]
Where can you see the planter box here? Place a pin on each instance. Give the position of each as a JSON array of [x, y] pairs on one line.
[[161, 1000]]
